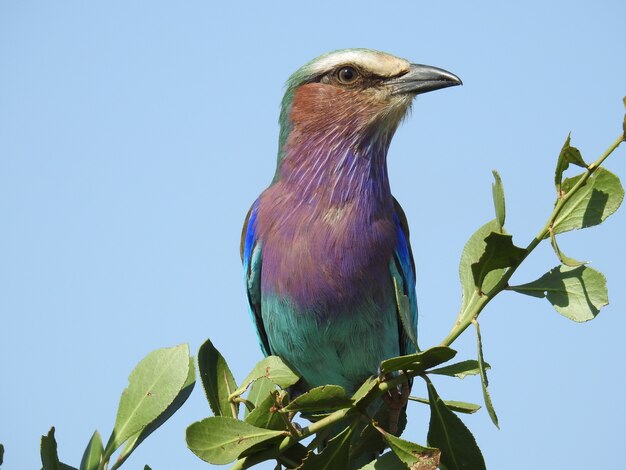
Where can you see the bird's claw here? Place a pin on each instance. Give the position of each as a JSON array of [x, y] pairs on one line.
[[396, 399]]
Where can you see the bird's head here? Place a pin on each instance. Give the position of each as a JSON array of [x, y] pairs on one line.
[[357, 96]]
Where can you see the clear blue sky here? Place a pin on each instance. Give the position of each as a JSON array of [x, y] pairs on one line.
[[135, 135]]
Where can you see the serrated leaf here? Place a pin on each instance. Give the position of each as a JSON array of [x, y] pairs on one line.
[[566, 260], [483, 378], [272, 368], [265, 415], [93, 453], [133, 442], [220, 440], [499, 253], [497, 190], [49, 455], [458, 406], [567, 155], [334, 456], [600, 197], [420, 361], [217, 379], [324, 398], [415, 456], [447, 432], [473, 250], [404, 311], [152, 386], [259, 391], [460, 369], [576, 293]]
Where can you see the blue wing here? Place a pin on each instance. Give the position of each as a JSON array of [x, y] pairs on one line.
[[251, 256], [403, 272]]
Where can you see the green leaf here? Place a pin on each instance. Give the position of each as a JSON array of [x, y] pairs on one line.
[[133, 442], [334, 456], [413, 455], [460, 369], [152, 386], [93, 453], [220, 440], [388, 461], [364, 390], [272, 368], [499, 253], [497, 190], [266, 415], [146, 467], [567, 261], [483, 378], [404, 312], [49, 456], [600, 197], [259, 391], [458, 406], [568, 155], [217, 379], [324, 398], [419, 361], [474, 249], [1, 454], [448, 433], [576, 293]]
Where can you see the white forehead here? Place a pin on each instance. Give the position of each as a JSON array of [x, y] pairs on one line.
[[379, 63]]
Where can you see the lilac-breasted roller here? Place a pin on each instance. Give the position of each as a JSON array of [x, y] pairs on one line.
[[325, 244]]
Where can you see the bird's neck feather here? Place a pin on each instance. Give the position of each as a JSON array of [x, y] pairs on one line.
[[335, 150]]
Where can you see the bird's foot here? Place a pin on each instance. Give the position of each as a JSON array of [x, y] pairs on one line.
[[396, 399]]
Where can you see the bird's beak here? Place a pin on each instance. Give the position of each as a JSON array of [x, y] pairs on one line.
[[422, 79]]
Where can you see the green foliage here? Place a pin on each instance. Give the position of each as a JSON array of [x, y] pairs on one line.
[[152, 387], [595, 198], [217, 380], [419, 361], [482, 368], [413, 455], [221, 440], [157, 387], [324, 398], [93, 453], [497, 190], [460, 369], [568, 155], [499, 253], [458, 406], [576, 293], [335, 456], [272, 368], [448, 433]]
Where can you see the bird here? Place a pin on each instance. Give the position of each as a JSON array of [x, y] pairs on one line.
[[326, 244]]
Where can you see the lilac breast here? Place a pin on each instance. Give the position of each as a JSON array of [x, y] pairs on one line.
[[321, 256]]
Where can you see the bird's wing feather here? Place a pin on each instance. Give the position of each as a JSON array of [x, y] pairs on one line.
[[251, 255], [404, 276]]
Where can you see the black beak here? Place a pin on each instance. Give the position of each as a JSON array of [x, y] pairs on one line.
[[422, 79]]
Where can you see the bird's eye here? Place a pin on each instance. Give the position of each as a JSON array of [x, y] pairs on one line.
[[347, 75]]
